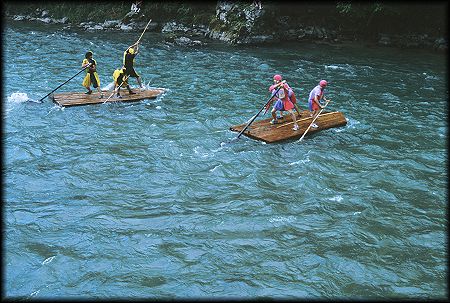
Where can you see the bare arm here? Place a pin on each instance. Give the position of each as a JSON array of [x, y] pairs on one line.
[[316, 100]]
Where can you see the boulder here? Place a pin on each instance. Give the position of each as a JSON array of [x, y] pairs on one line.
[[185, 41], [19, 18], [97, 27], [125, 27], [44, 20], [173, 27], [440, 44], [235, 22], [111, 23], [258, 39]]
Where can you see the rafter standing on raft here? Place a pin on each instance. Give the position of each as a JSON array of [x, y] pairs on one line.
[[278, 129]]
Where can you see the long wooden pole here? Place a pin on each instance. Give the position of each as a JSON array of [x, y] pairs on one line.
[[317, 116], [40, 100], [114, 91], [143, 32], [254, 117]]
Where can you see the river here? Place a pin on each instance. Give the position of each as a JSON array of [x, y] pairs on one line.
[[150, 200]]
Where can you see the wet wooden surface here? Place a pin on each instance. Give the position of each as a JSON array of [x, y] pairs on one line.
[[264, 131], [80, 98]]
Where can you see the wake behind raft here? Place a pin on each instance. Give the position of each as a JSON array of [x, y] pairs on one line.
[[76, 99], [270, 133]]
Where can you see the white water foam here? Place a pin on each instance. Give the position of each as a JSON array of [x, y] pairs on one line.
[[346, 67], [215, 167], [333, 67], [110, 86], [300, 162], [306, 160], [337, 198], [56, 107], [197, 151], [282, 219], [34, 293], [352, 123], [18, 97], [48, 260]]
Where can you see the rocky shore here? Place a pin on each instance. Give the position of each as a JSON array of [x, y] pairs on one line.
[[244, 23]]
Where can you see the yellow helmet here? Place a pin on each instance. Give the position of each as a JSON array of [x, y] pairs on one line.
[[131, 50]]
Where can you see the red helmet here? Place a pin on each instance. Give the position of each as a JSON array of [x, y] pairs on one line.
[[323, 83], [277, 77]]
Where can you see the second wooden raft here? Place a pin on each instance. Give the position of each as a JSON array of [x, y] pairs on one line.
[[74, 99], [264, 131]]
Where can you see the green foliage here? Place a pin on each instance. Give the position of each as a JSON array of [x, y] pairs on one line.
[[76, 12], [236, 25], [358, 18], [343, 7], [83, 11], [359, 10], [391, 17]]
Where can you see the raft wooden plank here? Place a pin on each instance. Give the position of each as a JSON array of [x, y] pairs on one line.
[[264, 131], [76, 98]]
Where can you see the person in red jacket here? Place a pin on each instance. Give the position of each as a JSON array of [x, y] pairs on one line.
[[282, 100], [291, 93]]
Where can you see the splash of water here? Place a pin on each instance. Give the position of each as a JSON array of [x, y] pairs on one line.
[[110, 86], [18, 97]]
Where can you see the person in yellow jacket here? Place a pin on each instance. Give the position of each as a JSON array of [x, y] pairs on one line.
[[91, 74], [121, 80], [128, 62]]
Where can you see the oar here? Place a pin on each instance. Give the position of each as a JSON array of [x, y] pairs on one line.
[[114, 91], [282, 82], [254, 117], [317, 116], [143, 32], [40, 100]]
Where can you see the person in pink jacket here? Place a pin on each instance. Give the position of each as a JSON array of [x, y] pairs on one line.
[[282, 100]]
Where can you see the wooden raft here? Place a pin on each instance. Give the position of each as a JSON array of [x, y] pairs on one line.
[[75, 99], [264, 131]]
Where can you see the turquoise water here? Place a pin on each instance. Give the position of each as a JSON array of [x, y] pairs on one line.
[[148, 200]]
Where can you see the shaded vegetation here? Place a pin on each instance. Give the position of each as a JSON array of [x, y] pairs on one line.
[[362, 19], [391, 17], [100, 11]]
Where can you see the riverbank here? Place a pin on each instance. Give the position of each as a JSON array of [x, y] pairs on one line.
[[243, 23]]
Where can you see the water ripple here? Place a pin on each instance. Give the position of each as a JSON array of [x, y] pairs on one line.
[[144, 196]]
